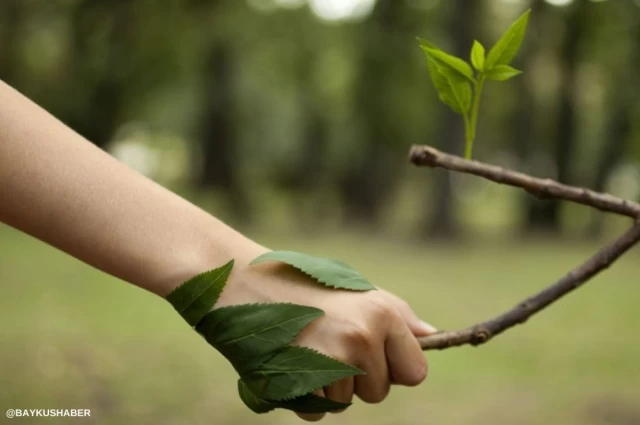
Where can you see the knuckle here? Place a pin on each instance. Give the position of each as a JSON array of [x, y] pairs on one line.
[[359, 336], [382, 307], [375, 394], [417, 377]]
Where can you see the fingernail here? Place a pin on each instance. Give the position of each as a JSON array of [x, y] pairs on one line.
[[427, 327]]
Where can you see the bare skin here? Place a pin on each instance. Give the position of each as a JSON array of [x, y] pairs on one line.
[[61, 189]]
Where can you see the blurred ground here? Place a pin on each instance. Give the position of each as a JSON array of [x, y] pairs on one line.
[[72, 337]]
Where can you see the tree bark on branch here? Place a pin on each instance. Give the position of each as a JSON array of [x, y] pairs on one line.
[[545, 189]]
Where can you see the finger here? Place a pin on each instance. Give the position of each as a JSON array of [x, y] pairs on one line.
[[313, 417], [373, 387], [417, 326], [407, 363], [341, 391]]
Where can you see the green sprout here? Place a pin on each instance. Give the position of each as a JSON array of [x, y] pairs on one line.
[[460, 84]]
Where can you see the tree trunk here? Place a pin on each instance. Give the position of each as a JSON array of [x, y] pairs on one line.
[[303, 173], [621, 120], [98, 118], [13, 18], [523, 130], [370, 178], [218, 138], [544, 216]]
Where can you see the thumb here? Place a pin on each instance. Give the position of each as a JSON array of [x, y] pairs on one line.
[[417, 326]]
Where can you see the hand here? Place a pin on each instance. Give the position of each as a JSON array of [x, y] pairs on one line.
[[375, 331]]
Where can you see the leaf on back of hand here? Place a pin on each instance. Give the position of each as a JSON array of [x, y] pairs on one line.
[[252, 401], [248, 331], [503, 52], [194, 298], [502, 73], [308, 403], [311, 403], [295, 371], [332, 273]]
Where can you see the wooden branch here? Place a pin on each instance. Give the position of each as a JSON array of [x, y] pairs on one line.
[[543, 188], [483, 332]]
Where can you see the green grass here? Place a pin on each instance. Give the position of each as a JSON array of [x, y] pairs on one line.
[[72, 337]]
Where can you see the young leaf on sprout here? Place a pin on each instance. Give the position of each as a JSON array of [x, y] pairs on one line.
[[460, 89], [194, 298], [503, 52], [443, 86], [451, 62], [502, 73], [450, 81], [458, 86], [477, 55], [332, 273]]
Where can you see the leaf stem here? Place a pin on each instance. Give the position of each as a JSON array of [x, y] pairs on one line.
[[472, 123], [468, 135]]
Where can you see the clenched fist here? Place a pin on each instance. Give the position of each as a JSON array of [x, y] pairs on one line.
[[375, 330]]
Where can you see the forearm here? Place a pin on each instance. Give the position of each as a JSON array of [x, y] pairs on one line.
[[61, 189]]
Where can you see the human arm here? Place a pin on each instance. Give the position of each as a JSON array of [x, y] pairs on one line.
[[61, 189]]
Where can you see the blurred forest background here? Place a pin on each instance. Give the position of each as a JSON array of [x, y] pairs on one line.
[[310, 109], [292, 121]]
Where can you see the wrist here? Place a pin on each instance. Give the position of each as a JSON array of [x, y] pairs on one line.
[[207, 251]]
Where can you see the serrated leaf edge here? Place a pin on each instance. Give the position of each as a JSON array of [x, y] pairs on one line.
[[285, 401], [318, 313], [429, 51], [270, 406], [259, 260], [313, 352], [224, 270], [490, 64]]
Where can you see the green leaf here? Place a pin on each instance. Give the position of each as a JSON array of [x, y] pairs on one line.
[[194, 298], [450, 61], [502, 73], [252, 401], [442, 86], [460, 90], [427, 44], [453, 88], [249, 331], [295, 371], [477, 55], [503, 52], [309, 403], [332, 273]]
